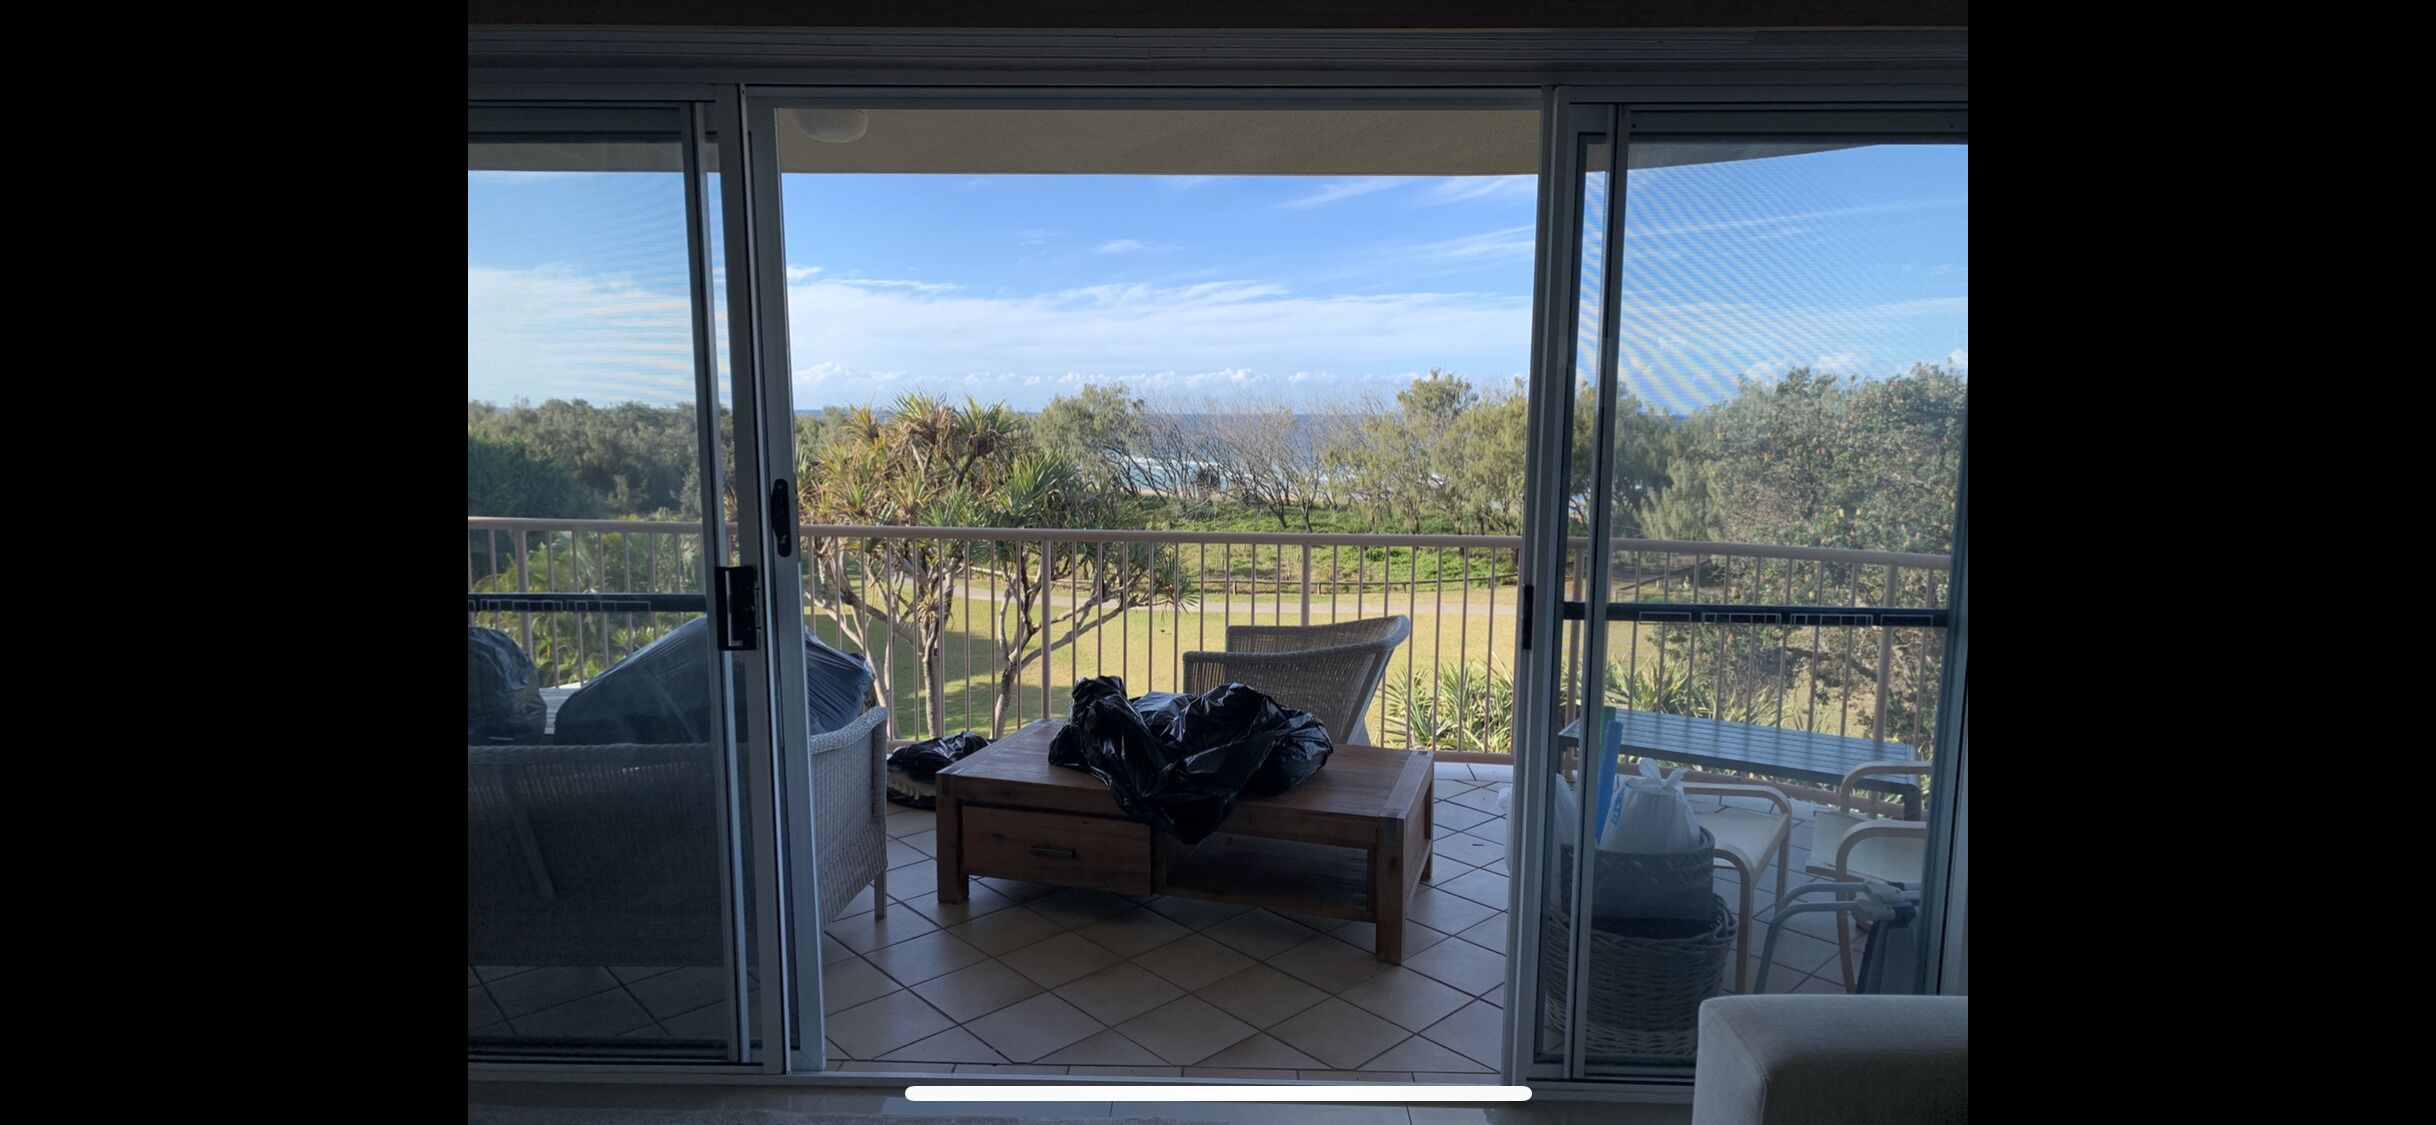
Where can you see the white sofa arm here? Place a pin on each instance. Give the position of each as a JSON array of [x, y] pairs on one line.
[[1832, 1060]]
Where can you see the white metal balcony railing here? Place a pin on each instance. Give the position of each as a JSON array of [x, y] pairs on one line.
[[1015, 616]]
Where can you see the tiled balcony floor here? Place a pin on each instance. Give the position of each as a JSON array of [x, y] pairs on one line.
[[1042, 980]]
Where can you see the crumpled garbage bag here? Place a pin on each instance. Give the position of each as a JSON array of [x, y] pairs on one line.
[[921, 760], [1180, 762], [502, 691], [661, 694]]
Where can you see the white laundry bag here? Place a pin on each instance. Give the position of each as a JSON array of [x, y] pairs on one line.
[[1652, 816]]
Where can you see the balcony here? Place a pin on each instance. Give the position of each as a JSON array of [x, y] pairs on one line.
[[1038, 979]]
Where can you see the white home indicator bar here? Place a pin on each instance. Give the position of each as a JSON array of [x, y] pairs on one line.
[[1372, 1092]]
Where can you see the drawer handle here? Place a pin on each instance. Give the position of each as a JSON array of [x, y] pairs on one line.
[[1044, 851]]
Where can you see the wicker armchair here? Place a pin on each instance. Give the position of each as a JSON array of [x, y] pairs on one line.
[[1328, 670], [611, 854]]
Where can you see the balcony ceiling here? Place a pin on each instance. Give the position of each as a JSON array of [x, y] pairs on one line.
[[1182, 142], [1163, 142], [1169, 142]]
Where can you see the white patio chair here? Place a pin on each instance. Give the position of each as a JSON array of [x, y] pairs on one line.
[[1745, 840], [1846, 846]]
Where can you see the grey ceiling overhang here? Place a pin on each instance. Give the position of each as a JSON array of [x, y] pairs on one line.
[[1163, 142]]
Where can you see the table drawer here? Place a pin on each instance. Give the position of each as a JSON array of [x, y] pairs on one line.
[[1100, 853]]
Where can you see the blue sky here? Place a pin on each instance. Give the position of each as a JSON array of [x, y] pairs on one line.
[[1209, 290]]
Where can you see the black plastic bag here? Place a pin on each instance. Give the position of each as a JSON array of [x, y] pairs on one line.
[[660, 694], [1180, 762], [921, 760], [502, 692], [1300, 752]]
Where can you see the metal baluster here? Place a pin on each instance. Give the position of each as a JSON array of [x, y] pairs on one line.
[[549, 577], [524, 583], [1437, 652], [1886, 656], [1412, 609], [1125, 611], [1361, 577], [1818, 648], [1463, 647], [965, 603], [1784, 642], [1048, 610], [1226, 559], [575, 553], [1099, 582], [1843, 719], [1175, 616], [1306, 582]]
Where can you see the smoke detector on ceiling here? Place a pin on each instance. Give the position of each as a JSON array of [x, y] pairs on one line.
[[836, 126]]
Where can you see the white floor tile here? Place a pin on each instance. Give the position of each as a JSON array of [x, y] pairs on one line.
[[1186, 1031], [1024, 1032], [1118, 993]]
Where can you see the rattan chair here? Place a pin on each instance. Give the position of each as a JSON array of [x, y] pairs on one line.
[[1329, 670], [1846, 847], [611, 854]]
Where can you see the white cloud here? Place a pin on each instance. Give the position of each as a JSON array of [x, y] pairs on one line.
[[1335, 190], [1959, 358], [1462, 189], [1131, 246], [1925, 306], [798, 273], [858, 343], [893, 283], [1661, 230], [1487, 246], [551, 333], [1187, 181]]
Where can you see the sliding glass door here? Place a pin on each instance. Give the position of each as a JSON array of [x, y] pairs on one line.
[[1740, 557], [617, 696], [1750, 406]]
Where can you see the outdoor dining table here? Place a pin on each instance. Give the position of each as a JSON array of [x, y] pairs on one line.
[[1767, 751]]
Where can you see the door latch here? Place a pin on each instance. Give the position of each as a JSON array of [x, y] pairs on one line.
[[782, 518], [738, 594]]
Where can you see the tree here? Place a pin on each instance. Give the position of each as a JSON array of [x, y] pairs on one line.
[[504, 480], [1808, 460], [1178, 456], [1268, 457], [1480, 459], [1095, 430], [924, 463], [1393, 463], [1096, 582], [928, 463], [636, 457]]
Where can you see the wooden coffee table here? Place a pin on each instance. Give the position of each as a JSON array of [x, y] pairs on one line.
[[1351, 842]]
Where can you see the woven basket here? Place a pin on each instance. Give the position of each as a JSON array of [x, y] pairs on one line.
[[1636, 886], [1647, 979]]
